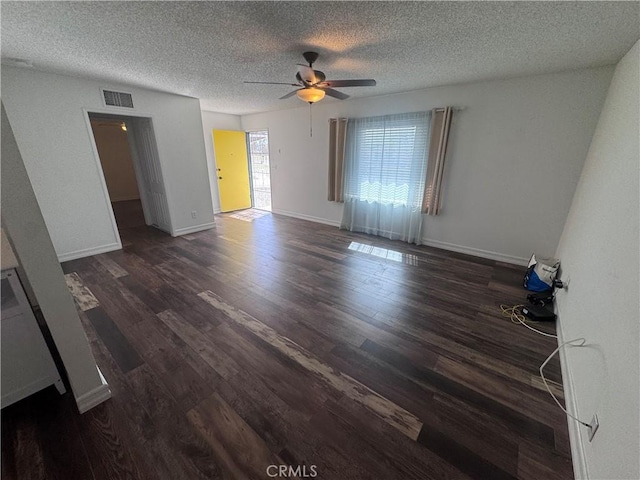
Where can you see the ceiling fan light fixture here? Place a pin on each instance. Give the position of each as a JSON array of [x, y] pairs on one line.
[[310, 95]]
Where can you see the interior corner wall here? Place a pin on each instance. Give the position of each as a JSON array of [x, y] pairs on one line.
[[516, 153], [599, 251], [216, 121], [115, 157], [46, 112]]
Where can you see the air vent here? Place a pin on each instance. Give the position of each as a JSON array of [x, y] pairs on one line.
[[117, 99]]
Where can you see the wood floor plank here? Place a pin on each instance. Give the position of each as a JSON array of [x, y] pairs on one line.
[[81, 294], [125, 355], [183, 383], [8, 468], [240, 450], [460, 456], [29, 454], [222, 364], [145, 294], [116, 302], [112, 267], [535, 463], [102, 436], [476, 431]]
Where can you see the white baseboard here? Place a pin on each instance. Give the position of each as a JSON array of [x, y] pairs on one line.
[[302, 216], [576, 434], [88, 252], [195, 228], [94, 397], [476, 252]]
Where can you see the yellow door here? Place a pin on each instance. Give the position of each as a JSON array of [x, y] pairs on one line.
[[230, 149]]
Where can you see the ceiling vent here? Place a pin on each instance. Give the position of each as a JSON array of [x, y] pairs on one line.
[[117, 99]]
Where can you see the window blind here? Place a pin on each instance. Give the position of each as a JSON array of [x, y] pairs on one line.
[[389, 156]]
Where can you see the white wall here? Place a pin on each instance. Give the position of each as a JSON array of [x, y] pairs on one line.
[[46, 112], [599, 251], [216, 121], [115, 157], [516, 152]]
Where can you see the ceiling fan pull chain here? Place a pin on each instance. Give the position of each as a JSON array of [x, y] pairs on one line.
[[310, 122]]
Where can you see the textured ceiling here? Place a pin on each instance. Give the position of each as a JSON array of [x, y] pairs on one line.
[[206, 49]]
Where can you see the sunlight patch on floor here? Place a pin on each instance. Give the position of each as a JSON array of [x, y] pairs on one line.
[[249, 215], [384, 253]]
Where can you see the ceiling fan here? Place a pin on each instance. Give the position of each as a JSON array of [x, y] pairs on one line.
[[314, 85]]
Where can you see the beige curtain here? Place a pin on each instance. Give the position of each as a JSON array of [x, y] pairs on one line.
[[337, 140], [440, 126]]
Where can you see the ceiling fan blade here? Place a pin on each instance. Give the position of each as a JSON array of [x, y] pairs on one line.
[[290, 94], [334, 93], [363, 82], [276, 83]]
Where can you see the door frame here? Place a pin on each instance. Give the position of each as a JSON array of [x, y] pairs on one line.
[[103, 181]]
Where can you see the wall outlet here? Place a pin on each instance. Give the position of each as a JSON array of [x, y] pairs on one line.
[[194, 214], [593, 427]]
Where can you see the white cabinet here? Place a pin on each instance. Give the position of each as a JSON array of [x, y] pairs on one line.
[[27, 365]]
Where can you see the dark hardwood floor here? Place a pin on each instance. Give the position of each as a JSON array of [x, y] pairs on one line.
[[285, 342]]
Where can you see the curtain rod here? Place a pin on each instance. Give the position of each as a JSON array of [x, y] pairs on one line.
[[439, 109]]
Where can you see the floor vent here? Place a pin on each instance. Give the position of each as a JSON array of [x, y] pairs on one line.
[[117, 99]]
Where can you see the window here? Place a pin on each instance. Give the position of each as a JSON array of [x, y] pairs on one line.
[[386, 159]]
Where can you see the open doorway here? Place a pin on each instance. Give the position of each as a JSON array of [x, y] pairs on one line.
[[128, 155], [259, 169]]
